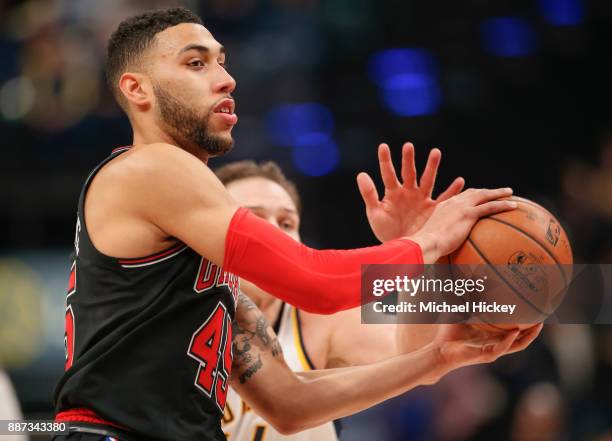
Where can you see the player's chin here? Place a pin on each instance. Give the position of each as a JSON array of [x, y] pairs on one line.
[[223, 136], [219, 143]]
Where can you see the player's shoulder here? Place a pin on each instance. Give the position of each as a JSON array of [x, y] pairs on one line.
[[160, 180]]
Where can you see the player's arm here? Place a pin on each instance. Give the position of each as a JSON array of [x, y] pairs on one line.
[[183, 198], [354, 343], [294, 402]]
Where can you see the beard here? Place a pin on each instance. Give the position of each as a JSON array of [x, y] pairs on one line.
[[186, 127]]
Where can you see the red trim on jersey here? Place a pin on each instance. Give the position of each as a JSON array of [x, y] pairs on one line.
[[153, 257], [119, 149], [84, 416]]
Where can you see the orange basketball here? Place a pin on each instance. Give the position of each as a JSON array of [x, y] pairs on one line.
[[531, 255]]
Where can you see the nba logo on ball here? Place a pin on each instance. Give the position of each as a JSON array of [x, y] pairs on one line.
[[553, 232]]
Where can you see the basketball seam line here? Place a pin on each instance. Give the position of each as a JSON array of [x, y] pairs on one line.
[[536, 241], [504, 279]]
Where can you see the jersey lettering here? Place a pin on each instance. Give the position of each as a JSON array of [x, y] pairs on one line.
[[207, 276], [210, 276], [69, 337], [211, 347], [69, 317], [223, 375]]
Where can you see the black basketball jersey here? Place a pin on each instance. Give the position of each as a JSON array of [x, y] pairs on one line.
[[148, 340]]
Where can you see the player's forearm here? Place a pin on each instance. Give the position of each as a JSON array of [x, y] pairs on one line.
[[329, 394], [316, 281], [414, 336]]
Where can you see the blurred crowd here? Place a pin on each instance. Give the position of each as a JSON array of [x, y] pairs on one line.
[[537, 120]]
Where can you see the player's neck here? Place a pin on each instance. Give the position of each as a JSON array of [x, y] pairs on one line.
[[151, 133]]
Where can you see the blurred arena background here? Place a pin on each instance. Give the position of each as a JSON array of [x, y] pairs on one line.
[[514, 92]]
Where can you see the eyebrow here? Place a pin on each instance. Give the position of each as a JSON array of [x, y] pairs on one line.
[[200, 48]]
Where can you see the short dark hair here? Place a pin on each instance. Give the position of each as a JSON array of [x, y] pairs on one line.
[[268, 170], [134, 35]]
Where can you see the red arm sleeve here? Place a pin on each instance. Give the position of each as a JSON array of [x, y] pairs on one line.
[[316, 281]]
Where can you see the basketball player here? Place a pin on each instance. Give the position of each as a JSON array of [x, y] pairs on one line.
[[160, 244]]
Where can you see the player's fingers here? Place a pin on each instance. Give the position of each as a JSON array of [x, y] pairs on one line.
[[526, 338], [493, 207], [367, 189], [428, 178], [483, 195], [505, 344], [408, 166], [387, 170], [452, 190]]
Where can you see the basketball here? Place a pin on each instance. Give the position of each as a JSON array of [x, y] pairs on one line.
[[531, 257]]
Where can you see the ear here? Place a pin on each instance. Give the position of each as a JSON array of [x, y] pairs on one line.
[[135, 88]]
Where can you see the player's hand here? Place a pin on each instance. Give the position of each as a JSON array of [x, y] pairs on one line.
[[451, 221], [406, 205], [461, 345]]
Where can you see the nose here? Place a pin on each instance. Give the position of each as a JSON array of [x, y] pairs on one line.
[[226, 83]]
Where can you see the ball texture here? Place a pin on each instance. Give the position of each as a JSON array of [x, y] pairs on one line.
[[531, 257]]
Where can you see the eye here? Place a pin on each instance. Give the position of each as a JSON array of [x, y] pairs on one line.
[[287, 225], [196, 63]]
